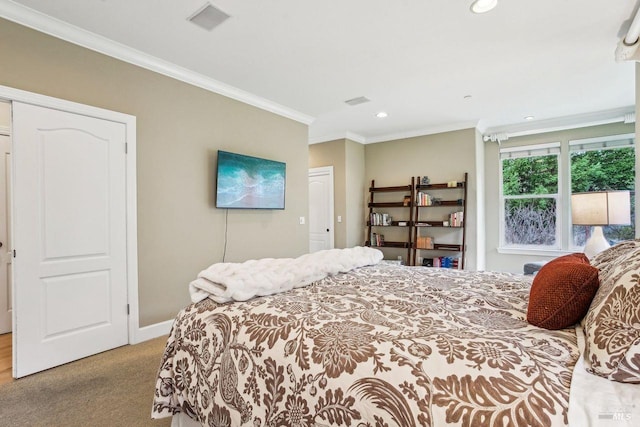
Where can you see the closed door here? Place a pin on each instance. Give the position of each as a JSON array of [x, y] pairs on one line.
[[320, 209], [5, 244], [69, 236]]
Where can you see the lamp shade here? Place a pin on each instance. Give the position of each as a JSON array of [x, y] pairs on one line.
[[601, 208]]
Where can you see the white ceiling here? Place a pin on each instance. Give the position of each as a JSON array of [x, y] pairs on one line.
[[415, 59]]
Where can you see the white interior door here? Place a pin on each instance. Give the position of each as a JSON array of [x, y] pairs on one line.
[[70, 267], [5, 238], [321, 209]]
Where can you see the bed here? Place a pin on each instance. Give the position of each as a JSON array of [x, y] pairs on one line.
[[387, 345]]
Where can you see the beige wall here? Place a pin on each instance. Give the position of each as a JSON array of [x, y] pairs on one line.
[[355, 190], [442, 157], [179, 130], [514, 262]]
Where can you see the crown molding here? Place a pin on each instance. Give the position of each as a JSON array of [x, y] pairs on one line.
[[502, 133], [392, 136], [422, 132], [339, 135], [54, 27]]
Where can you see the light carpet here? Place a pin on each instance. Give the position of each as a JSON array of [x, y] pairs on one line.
[[114, 388]]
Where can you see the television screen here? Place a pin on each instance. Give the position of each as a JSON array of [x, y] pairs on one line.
[[246, 182]]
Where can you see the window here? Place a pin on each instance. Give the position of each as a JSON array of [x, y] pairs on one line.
[[536, 186], [602, 165], [530, 196]]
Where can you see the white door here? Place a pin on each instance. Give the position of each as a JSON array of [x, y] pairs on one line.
[[5, 242], [320, 208], [70, 280]]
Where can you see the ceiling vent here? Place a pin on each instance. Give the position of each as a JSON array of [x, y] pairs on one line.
[[208, 17], [357, 101]]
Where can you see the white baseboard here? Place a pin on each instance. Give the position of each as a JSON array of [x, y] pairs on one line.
[[152, 331]]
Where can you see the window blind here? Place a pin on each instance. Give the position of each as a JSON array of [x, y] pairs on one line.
[[530, 151]]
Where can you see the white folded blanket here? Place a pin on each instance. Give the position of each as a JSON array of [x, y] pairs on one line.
[[223, 282]]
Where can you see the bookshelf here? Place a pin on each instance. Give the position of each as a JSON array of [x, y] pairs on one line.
[[438, 223], [389, 224]]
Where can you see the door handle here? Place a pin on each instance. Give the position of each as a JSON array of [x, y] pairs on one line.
[[327, 232]]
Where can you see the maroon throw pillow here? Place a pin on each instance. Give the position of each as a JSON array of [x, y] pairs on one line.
[[562, 291]]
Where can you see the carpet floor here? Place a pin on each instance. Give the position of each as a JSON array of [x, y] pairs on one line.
[[114, 388]]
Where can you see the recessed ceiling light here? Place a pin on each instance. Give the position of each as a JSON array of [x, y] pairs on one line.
[[381, 115], [482, 6], [529, 118]]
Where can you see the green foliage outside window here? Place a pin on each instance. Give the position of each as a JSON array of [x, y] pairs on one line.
[[532, 220], [530, 175], [603, 170]]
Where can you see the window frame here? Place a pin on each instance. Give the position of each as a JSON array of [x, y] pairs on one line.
[[536, 150], [564, 225]]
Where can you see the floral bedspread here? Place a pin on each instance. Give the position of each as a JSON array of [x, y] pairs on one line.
[[383, 345]]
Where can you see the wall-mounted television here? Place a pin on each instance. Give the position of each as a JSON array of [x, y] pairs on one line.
[[246, 182]]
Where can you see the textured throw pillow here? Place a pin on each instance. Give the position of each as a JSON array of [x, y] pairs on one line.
[[606, 259], [562, 291], [612, 324]]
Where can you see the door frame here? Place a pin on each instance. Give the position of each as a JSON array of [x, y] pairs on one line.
[[4, 251], [11, 94], [328, 171]]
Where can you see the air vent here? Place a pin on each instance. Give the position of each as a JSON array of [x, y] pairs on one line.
[[356, 101], [208, 17]]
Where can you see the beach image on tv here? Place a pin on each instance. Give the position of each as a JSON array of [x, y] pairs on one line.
[[249, 182]]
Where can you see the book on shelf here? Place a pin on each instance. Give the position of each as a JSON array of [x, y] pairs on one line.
[[378, 218], [456, 219], [376, 239], [442, 262], [423, 199], [424, 242]]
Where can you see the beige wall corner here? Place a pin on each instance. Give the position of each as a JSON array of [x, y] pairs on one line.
[[355, 192], [442, 157]]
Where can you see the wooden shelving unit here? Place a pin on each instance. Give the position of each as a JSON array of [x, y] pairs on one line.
[[402, 207], [445, 200]]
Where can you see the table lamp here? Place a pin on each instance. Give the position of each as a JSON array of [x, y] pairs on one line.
[[600, 208]]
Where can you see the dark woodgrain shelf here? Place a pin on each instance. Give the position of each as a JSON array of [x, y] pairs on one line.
[[439, 186], [405, 198], [390, 245], [390, 189], [444, 203], [430, 218], [393, 224], [388, 205], [434, 224]]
